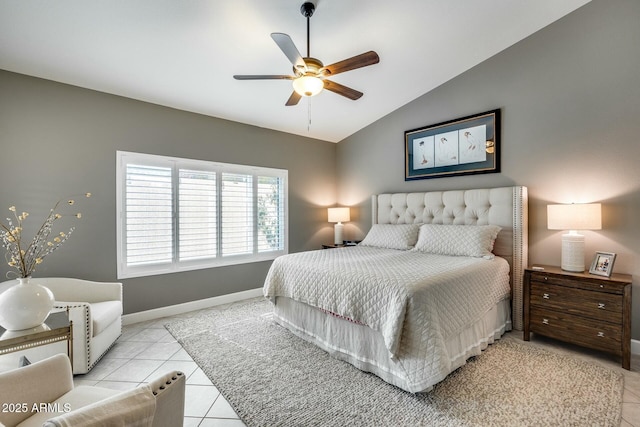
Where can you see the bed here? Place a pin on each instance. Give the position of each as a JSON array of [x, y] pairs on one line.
[[437, 278]]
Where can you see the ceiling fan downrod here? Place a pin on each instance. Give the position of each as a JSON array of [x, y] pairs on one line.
[[307, 10]]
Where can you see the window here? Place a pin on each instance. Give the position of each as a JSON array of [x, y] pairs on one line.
[[179, 214]]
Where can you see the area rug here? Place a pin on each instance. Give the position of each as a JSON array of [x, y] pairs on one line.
[[273, 378]]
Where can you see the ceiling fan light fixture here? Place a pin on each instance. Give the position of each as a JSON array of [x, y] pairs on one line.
[[308, 85]]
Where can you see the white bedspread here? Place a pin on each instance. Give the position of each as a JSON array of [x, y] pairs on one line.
[[421, 298]]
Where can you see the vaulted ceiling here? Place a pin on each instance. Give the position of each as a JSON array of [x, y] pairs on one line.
[[183, 54]]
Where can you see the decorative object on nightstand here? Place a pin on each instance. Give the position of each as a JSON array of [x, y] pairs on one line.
[[574, 217], [602, 264], [579, 308], [338, 215]]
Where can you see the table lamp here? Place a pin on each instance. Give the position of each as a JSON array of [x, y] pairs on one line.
[[338, 215], [574, 217]]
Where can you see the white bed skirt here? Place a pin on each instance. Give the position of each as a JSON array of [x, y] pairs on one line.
[[364, 347]]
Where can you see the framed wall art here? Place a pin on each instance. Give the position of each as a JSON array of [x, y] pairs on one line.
[[602, 263], [469, 145]]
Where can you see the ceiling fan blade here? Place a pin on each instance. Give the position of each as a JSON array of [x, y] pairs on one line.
[[342, 90], [285, 44], [293, 99], [358, 61], [262, 77]]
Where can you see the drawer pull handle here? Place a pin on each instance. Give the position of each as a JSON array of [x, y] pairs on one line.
[[601, 306], [601, 334], [545, 321], [546, 278], [545, 296]]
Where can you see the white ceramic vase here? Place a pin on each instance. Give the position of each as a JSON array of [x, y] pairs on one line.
[[25, 305]]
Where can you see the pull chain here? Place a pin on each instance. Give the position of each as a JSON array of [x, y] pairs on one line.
[[309, 114]]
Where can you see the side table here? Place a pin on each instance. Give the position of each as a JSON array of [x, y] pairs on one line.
[[579, 308], [57, 327], [341, 245]]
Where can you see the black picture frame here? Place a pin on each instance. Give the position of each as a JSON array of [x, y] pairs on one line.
[[464, 146]]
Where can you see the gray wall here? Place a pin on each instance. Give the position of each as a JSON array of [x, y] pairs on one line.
[[570, 101], [58, 140]]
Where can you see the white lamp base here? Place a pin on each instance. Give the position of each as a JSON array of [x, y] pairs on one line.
[[573, 252], [338, 233]]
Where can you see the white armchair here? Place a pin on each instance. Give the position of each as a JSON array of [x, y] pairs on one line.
[[43, 394], [96, 311], [95, 308]]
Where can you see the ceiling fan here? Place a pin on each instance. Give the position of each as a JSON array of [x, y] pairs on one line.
[[310, 75]]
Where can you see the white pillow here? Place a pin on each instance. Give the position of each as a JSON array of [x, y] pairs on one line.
[[134, 407], [457, 240], [392, 236]]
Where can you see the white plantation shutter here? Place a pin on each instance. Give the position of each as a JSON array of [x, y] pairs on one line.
[[237, 214], [198, 215], [179, 214], [149, 219], [270, 214]]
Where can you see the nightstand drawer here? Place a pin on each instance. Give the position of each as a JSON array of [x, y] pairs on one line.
[[575, 329], [594, 305], [591, 284]]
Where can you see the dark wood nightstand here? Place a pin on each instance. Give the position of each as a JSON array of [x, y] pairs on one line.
[[579, 308], [345, 243]]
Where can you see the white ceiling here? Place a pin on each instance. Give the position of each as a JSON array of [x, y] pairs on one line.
[[183, 54]]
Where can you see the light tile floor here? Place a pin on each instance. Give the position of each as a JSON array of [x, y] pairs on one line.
[[147, 350]]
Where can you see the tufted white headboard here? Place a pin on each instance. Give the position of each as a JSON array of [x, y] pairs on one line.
[[506, 207]]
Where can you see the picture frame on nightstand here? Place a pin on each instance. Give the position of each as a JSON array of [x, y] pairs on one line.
[[602, 264]]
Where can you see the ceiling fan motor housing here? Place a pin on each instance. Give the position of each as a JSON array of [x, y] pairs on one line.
[[313, 67]]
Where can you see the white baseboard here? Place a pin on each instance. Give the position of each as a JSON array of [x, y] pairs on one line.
[[635, 347], [172, 310]]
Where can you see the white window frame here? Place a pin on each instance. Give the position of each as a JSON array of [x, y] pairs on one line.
[[127, 271]]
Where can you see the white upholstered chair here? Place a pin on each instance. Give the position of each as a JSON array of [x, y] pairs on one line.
[[95, 308], [46, 396]]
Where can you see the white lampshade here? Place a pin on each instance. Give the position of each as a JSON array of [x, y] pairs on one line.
[[338, 215], [574, 217], [308, 85]]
